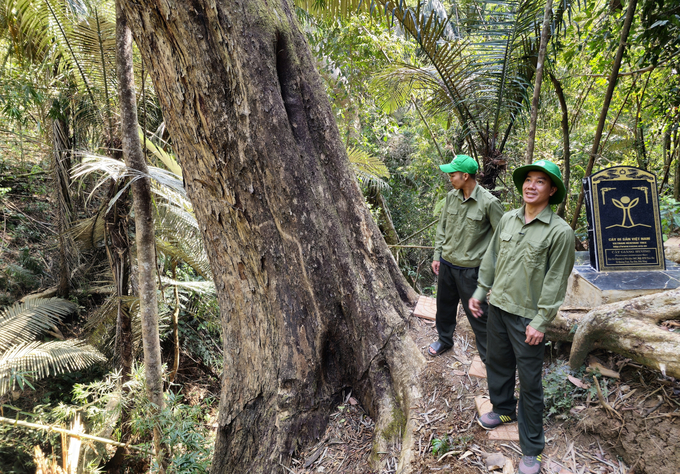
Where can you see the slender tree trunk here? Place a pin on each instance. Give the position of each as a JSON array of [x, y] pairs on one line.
[[175, 328], [667, 156], [62, 199], [144, 227], [566, 156], [613, 78], [311, 300], [543, 46], [676, 178], [385, 224]]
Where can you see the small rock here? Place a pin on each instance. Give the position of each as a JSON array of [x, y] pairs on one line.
[[495, 461]]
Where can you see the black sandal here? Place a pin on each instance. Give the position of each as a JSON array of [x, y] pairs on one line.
[[437, 348]]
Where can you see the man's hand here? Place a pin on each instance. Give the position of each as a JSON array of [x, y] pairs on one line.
[[534, 337], [475, 307], [435, 267]]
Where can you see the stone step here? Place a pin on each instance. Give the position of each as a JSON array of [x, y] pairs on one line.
[[505, 432], [477, 368], [426, 308]]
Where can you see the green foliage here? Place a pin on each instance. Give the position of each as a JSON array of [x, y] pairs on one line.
[[184, 429], [447, 443], [558, 392], [560, 395], [669, 209]]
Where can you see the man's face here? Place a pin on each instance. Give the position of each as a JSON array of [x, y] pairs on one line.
[[457, 179], [537, 188]]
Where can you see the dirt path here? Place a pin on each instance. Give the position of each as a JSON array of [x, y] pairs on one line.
[[641, 434]]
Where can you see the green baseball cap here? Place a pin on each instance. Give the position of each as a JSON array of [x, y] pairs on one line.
[[462, 163], [549, 168]]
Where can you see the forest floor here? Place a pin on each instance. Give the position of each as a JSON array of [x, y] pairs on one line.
[[640, 435]]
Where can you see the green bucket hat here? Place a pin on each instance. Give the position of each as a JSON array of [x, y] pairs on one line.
[[549, 168], [462, 163]]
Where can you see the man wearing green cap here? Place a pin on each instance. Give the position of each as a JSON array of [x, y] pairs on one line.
[[526, 266], [466, 224]]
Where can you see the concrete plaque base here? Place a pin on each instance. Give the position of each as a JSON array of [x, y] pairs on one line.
[[588, 288]]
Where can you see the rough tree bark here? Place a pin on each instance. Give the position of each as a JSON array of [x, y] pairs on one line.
[[311, 300]]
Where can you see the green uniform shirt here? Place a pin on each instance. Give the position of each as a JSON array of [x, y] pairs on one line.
[[528, 266], [466, 226]]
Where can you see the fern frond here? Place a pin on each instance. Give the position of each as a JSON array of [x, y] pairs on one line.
[[23, 322], [42, 359]]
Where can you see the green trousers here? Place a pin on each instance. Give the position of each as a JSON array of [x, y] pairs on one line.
[[453, 285], [508, 352]]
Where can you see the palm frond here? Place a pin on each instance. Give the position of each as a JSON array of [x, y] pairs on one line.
[[481, 63], [168, 159], [168, 182], [42, 359], [189, 252], [368, 168], [23, 322], [334, 8], [90, 232], [200, 287]]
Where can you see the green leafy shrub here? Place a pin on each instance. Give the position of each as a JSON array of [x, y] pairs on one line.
[[445, 444], [669, 209], [185, 430], [558, 392]]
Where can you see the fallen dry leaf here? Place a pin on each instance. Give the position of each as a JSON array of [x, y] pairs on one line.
[[578, 382]]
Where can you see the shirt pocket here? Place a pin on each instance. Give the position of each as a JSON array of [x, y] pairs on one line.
[[505, 244], [536, 254], [473, 222], [451, 217]]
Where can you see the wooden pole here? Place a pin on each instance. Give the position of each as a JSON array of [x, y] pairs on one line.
[[73, 434]]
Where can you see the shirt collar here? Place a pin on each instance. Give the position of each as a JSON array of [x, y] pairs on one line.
[[544, 216], [473, 195]]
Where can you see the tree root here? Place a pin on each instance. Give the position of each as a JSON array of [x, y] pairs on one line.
[[631, 328]]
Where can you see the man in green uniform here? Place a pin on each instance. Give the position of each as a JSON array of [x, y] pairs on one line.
[[466, 225], [526, 267]]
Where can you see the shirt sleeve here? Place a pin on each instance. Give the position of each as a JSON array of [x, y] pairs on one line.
[[441, 232], [495, 212], [561, 257], [487, 269]]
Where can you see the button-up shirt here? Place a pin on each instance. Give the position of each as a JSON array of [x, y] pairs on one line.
[[528, 265], [466, 226]]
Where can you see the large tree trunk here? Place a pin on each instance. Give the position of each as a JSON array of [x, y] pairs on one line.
[[311, 300]]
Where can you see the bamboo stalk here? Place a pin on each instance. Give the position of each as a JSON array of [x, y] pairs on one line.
[[73, 434]]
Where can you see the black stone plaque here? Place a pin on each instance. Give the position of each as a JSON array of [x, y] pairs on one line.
[[624, 225]]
